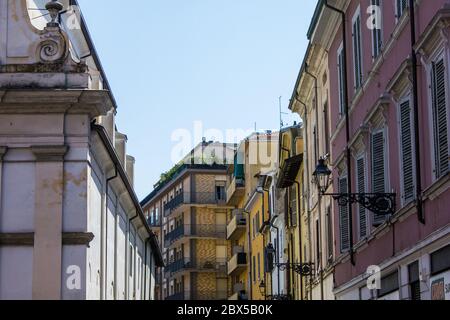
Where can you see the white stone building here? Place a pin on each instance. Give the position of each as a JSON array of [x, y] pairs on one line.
[[71, 226]]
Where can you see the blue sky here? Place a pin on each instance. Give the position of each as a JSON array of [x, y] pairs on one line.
[[173, 62]]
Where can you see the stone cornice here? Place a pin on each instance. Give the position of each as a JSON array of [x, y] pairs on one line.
[[29, 101]]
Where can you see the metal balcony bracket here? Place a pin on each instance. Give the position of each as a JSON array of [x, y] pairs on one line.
[[303, 269], [378, 203]]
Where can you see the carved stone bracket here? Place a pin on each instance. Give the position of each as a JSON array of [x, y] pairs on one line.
[[49, 153]]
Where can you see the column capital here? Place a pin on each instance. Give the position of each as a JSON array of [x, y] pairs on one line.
[[49, 153]]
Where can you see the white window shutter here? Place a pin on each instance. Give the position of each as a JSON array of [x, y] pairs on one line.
[[406, 148], [344, 226], [361, 184], [440, 119], [378, 170]]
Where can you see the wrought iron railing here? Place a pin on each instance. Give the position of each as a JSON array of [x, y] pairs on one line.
[[218, 198], [195, 230]]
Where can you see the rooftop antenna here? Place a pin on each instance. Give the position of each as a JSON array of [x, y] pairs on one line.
[[281, 113]]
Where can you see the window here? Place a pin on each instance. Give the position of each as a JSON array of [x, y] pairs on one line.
[[341, 79], [131, 264], [361, 185], [254, 269], [317, 243], [389, 284], [293, 206], [326, 128], [357, 50], [259, 266], [440, 118], [258, 223], [378, 169], [254, 227], [406, 151], [344, 219], [377, 41], [329, 235], [440, 261], [414, 281], [220, 193], [401, 7]]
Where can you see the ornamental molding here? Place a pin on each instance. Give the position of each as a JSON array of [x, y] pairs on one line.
[[436, 35], [31, 50]]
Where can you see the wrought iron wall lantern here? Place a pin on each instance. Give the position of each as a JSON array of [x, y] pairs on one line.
[[378, 203]]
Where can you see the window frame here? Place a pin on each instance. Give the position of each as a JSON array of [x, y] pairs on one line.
[[439, 54], [358, 85], [406, 97]]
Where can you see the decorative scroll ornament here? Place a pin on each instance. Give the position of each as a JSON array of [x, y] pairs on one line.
[[53, 47]]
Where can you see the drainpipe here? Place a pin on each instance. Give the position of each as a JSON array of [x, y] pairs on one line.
[[300, 235], [347, 127], [104, 236], [308, 209], [278, 255], [250, 280], [419, 201], [128, 255], [316, 152]]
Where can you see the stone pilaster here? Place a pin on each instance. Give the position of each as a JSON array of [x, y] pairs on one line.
[[47, 252]]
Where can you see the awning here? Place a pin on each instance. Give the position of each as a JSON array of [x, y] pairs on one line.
[[289, 172]]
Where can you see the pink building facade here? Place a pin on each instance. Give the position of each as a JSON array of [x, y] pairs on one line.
[[405, 255]]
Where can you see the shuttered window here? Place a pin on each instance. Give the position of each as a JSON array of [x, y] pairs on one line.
[[406, 149], [344, 226], [376, 31], [401, 7], [361, 184], [357, 51], [378, 170], [329, 235], [440, 118], [341, 81]]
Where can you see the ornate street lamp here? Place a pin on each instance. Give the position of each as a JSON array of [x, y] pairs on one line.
[[262, 288], [378, 203], [322, 176]]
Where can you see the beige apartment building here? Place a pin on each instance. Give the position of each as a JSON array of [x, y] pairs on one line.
[[188, 211], [311, 101]]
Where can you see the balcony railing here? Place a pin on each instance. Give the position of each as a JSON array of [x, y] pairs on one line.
[[202, 264], [237, 263], [237, 225], [199, 295], [205, 198], [195, 230], [235, 190]]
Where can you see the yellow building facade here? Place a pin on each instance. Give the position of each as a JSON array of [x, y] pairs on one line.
[[254, 157]]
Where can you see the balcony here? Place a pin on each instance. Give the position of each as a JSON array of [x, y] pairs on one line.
[[239, 292], [201, 265], [235, 191], [195, 231], [238, 263], [237, 226], [194, 198]]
